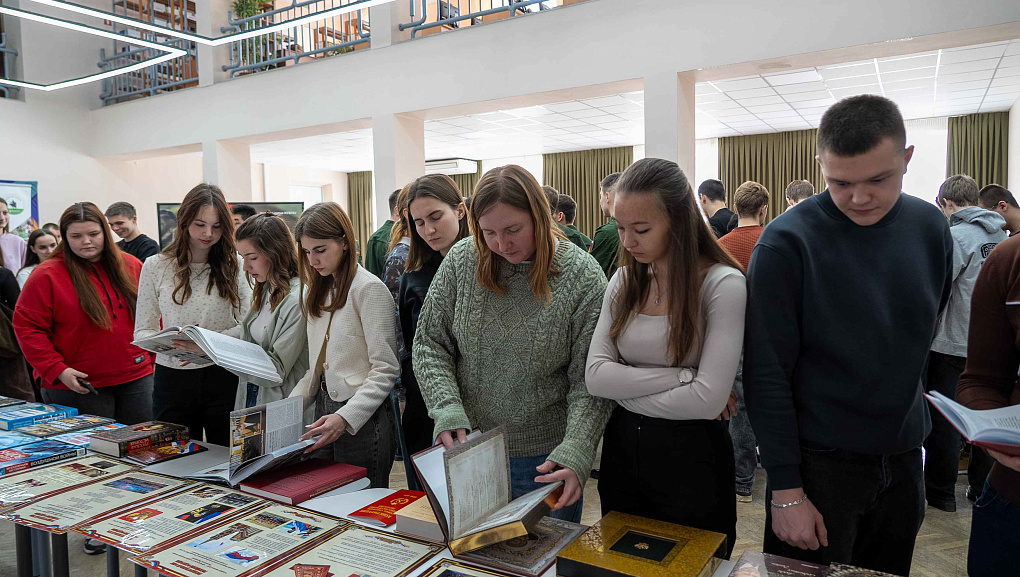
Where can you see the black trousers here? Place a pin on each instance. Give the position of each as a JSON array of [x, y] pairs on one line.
[[675, 471], [201, 399], [942, 447]]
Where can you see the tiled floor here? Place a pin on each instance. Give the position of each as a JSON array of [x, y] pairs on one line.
[[941, 545]]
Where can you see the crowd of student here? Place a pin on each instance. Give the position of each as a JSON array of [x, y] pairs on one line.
[[654, 336]]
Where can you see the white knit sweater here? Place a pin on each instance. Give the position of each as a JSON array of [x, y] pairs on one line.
[[361, 354], [209, 311]]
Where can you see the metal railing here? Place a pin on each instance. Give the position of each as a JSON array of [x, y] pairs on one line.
[[151, 80], [431, 16], [321, 39], [6, 68]]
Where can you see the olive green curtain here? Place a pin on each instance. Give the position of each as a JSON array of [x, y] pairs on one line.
[[578, 174], [359, 207], [773, 160], [977, 147], [466, 182]]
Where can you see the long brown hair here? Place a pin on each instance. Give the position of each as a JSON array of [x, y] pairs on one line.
[[402, 226], [444, 189], [80, 269], [326, 220], [515, 187], [222, 256], [271, 237], [693, 248]]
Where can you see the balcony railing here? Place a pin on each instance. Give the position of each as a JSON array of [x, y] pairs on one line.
[[321, 39], [6, 67], [151, 80], [432, 16]]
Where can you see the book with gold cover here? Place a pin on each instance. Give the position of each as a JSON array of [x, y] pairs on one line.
[[629, 546]]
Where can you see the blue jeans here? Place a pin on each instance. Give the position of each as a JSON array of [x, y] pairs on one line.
[[873, 506], [745, 456], [994, 536], [522, 482]]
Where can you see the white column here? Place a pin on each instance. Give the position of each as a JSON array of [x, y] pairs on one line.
[[386, 19], [210, 16], [669, 119], [227, 164], [399, 157]]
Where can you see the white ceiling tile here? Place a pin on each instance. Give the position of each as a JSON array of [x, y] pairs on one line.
[[1010, 61], [996, 90], [530, 111], [606, 101], [847, 70], [517, 122], [793, 77], [804, 96], [601, 119], [782, 107], [632, 116], [841, 93], [940, 95], [964, 86], [973, 66], [802, 87], [904, 75], [965, 101], [748, 124], [638, 96], [587, 112], [492, 116], [965, 77], [629, 107], [761, 101], [567, 123], [1007, 72], [623, 124], [924, 83], [1006, 81], [565, 106], [907, 63], [753, 93], [741, 84], [968, 54], [583, 129], [819, 103], [1013, 49], [852, 82], [725, 105], [713, 97], [778, 115], [550, 117], [704, 88]]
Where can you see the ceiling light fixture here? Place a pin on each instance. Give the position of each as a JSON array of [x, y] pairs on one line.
[[337, 11], [170, 51]]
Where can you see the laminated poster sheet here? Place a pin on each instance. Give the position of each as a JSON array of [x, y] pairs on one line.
[[34, 484]]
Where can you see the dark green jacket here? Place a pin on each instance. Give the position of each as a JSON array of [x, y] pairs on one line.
[[375, 252], [575, 236], [605, 246]]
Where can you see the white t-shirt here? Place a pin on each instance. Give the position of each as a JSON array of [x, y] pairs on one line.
[[258, 326]]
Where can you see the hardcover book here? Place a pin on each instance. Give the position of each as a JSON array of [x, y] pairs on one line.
[[469, 489], [237, 356], [36, 455], [630, 546], [303, 481], [153, 455], [120, 442], [11, 439], [25, 414], [82, 438], [756, 564], [530, 555], [419, 520], [841, 570], [65, 425], [383, 512], [9, 401], [995, 429]]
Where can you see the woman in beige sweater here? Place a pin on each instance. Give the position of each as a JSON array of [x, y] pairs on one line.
[[352, 350]]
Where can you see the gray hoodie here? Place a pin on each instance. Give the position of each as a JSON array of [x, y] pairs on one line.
[[975, 232]]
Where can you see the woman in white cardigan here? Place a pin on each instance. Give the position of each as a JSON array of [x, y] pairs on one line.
[[275, 321], [352, 349]]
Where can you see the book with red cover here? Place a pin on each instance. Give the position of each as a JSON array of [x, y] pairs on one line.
[[383, 512], [302, 481]]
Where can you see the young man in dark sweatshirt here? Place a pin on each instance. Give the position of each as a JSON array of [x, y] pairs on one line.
[[843, 298]]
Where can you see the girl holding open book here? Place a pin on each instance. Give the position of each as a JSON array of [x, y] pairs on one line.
[[75, 320], [197, 280], [275, 321], [666, 349], [503, 336], [438, 220], [352, 349]]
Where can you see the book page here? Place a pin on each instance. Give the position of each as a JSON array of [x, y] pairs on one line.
[[431, 465], [163, 343], [479, 482], [357, 551], [143, 528], [236, 352], [35, 484], [241, 544], [60, 511], [517, 509], [995, 425]]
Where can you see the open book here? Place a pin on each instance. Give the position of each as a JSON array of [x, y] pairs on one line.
[[995, 429], [235, 355], [469, 489], [262, 438]]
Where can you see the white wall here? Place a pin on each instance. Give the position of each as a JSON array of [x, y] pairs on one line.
[[143, 183], [706, 161], [927, 168], [1013, 151], [532, 163], [278, 180]]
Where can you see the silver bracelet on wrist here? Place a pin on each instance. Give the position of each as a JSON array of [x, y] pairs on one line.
[[791, 504]]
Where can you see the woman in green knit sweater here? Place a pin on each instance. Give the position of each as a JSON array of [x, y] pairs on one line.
[[503, 337]]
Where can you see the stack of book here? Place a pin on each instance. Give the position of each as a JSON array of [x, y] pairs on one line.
[[145, 443], [35, 434]]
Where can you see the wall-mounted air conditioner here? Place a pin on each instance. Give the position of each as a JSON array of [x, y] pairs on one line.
[[451, 166]]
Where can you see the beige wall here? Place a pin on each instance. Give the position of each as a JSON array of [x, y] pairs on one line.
[[143, 183]]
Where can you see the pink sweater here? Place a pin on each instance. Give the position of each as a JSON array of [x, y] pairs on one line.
[[14, 249]]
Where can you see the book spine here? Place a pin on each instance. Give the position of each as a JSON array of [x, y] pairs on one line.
[[156, 440], [44, 461], [11, 424]]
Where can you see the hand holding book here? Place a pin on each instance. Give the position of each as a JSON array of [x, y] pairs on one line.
[[554, 472], [1005, 460], [447, 437], [328, 428]]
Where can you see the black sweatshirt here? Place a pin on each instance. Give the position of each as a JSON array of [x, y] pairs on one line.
[[840, 319], [142, 247]]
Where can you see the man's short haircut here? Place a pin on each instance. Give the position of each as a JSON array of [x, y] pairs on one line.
[[713, 190], [993, 194], [608, 182], [243, 210], [393, 200], [799, 190], [121, 209], [959, 188], [749, 198], [858, 124], [553, 197], [51, 226], [568, 207]]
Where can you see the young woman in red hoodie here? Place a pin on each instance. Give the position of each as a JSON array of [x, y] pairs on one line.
[[75, 322]]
